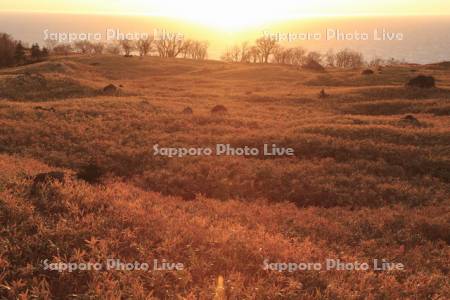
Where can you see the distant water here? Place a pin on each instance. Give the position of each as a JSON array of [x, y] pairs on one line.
[[424, 39]]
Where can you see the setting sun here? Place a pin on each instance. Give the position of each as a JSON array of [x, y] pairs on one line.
[[230, 15]]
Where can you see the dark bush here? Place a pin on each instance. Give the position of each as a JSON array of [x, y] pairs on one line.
[[422, 81], [367, 72], [188, 111], [219, 109], [313, 65], [110, 89], [90, 173]]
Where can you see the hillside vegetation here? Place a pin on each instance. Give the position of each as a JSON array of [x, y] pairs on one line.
[[365, 181]]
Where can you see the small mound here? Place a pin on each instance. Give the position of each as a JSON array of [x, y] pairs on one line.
[[445, 65], [422, 81], [313, 66], [410, 120], [28, 80], [52, 67], [219, 109], [367, 72], [110, 89], [187, 111], [35, 86]]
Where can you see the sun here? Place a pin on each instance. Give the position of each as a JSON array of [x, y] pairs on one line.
[[227, 15]]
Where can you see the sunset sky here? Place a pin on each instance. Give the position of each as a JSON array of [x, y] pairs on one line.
[[234, 13]]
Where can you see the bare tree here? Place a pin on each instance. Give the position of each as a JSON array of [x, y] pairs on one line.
[[198, 50], [84, 47], [187, 48], [238, 53], [98, 48], [347, 58], [233, 54], [255, 55], [144, 46], [227, 56], [113, 48], [377, 62], [245, 52], [63, 49], [127, 46], [266, 46], [330, 58], [315, 56], [283, 55], [169, 47], [50, 44], [298, 56]]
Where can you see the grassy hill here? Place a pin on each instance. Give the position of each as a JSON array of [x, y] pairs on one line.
[[364, 183]]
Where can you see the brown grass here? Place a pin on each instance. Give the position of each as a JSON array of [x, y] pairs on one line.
[[362, 184]]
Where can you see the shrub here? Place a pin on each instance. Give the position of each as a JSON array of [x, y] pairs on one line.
[[367, 72], [422, 81], [188, 111], [219, 109]]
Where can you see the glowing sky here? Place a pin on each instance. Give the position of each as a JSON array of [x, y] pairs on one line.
[[234, 13]]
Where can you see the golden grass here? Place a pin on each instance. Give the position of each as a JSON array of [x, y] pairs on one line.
[[362, 185]]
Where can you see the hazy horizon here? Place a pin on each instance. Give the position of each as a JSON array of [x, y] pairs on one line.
[[417, 45]]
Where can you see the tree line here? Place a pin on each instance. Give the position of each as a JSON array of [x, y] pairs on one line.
[[267, 50], [143, 47], [13, 53], [264, 50]]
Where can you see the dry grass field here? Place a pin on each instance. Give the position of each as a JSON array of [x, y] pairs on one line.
[[365, 183]]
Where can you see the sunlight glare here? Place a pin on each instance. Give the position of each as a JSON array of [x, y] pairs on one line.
[[227, 15]]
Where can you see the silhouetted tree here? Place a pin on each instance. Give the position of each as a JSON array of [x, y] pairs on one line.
[[266, 47], [245, 52], [113, 48], [84, 47], [330, 58], [98, 48], [63, 49], [349, 59], [7, 50], [35, 52], [238, 53], [127, 46], [44, 53], [315, 56], [298, 56], [144, 46], [255, 54], [169, 47], [283, 55], [19, 55], [51, 44]]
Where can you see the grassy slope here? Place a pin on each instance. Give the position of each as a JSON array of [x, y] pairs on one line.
[[77, 222], [351, 149]]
